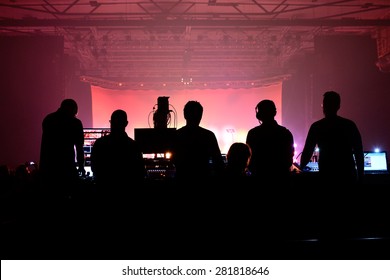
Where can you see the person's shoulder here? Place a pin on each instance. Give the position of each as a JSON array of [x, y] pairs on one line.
[[180, 132], [132, 141], [78, 122], [318, 123], [284, 128], [346, 120], [51, 116], [254, 133], [102, 139], [98, 141], [288, 132], [206, 131], [254, 129]]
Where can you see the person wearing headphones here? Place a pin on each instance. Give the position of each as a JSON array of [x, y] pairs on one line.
[[272, 146]]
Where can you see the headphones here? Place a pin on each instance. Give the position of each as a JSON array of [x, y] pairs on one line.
[[265, 107], [257, 111]]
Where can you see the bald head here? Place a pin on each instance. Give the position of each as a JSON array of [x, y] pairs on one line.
[[118, 120]]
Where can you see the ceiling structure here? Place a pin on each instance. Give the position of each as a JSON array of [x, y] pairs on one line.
[[152, 44]]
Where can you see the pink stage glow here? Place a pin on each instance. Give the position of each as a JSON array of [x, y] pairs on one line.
[[229, 113]]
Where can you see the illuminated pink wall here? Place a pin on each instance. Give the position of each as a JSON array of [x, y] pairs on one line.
[[224, 109]]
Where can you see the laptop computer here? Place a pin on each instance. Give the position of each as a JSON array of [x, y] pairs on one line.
[[312, 166], [375, 162]]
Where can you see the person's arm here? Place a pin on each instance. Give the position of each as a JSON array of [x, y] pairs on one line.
[[95, 158], [249, 138], [358, 153], [80, 149], [140, 165], [218, 163], [308, 148], [291, 148], [250, 142]]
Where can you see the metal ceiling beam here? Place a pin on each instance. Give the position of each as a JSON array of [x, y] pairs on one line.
[[199, 23]]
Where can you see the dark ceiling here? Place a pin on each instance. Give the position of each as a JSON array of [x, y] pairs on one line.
[[199, 44]]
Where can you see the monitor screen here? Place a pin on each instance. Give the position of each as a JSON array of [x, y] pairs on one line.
[[154, 140], [88, 171], [375, 161]]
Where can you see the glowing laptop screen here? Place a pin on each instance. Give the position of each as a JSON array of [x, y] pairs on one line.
[[375, 162]]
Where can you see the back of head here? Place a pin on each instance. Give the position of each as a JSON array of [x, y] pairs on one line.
[[239, 155], [118, 120], [69, 107], [265, 110], [331, 103], [193, 112]]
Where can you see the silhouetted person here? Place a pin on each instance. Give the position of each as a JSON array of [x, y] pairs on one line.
[[238, 158], [340, 145], [116, 159], [196, 153], [272, 146], [62, 136]]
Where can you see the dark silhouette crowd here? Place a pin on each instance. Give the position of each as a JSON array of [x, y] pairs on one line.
[[267, 156], [266, 159], [208, 197]]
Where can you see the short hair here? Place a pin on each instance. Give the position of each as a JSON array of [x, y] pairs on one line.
[[265, 108], [119, 118], [193, 110], [331, 101], [239, 154], [69, 106]]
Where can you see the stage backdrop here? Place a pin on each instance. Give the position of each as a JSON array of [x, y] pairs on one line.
[[229, 113]]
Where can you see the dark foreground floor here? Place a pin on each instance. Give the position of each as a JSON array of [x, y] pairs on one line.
[[162, 220]]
